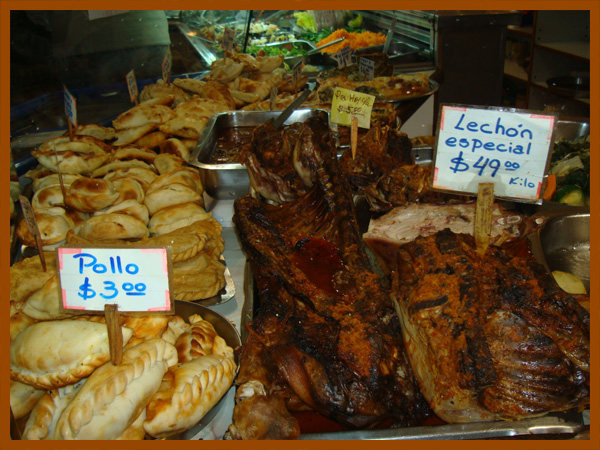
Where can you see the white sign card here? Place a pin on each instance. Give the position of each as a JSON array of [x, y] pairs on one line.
[[135, 279], [344, 56], [508, 148], [366, 67], [70, 107]]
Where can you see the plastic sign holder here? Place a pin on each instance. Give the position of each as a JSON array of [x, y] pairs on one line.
[[503, 146]]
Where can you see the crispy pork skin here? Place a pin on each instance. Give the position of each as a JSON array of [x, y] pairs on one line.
[[326, 336], [489, 337]]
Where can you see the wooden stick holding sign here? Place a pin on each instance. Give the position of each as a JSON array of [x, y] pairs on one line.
[[29, 216], [483, 217], [354, 135], [115, 335], [60, 178]]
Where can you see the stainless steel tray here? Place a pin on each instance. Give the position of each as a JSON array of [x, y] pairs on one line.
[[563, 424], [230, 180]]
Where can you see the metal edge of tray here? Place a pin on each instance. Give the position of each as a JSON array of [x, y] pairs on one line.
[[209, 130]]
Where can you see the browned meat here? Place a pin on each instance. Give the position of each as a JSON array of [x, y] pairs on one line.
[[490, 337], [326, 336]]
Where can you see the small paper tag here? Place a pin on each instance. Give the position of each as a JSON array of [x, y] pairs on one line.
[[228, 36], [166, 67], [347, 104], [343, 57], [70, 107], [367, 68], [132, 86]]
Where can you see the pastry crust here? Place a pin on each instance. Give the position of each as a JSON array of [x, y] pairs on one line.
[[131, 208], [27, 275], [171, 195], [187, 393], [113, 226], [44, 416], [141, 115], [36, 359], [91, 194], [44, 304], [200, 339], [172, 218], [23, 398], [113, 397]]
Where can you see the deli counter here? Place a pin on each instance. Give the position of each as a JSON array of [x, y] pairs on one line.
[[310, 281]]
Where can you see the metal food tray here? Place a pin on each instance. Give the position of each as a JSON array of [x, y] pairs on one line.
[[563, 424], [230, 180]]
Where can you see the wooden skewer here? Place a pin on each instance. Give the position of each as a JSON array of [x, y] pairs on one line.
[[115, 336], [354, 135], [483, 217]]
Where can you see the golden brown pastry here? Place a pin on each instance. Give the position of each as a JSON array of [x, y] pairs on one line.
[[187, 393], [181, 175], [41, 423], [135, 431], [200, 339], [128, 136], [47, 197], [171, 195], [141, 115], [172, 93], [23, 398], [152, 140], [27, 275], [53, 179], [166, 162], [142, 175], [171, 218], [71, 162], [176, 147], [121, 166], [129, 152], [53, 225], [44, 304], [96, 131], [113, 226], [132, 208], [36, 359], [113, 397], [198, 278], [91, 194], [128, 189]]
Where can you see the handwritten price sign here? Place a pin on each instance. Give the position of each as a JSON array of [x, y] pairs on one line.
[[347, 104], [505, 147], [70, 107], [133, 279]]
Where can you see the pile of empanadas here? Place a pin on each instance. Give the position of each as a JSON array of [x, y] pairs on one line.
[[64, 386]]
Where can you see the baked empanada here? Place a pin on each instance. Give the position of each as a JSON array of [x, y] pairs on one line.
[[23, 398], [91, 194], [113, 226], [173, 194], [188, 392], [200, 339], [27, 275], [44, 304], [113, 397], [44, 416], [56, 353]]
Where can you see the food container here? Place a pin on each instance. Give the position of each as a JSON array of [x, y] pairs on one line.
[[229, 180], [564, 242], [227, 331]]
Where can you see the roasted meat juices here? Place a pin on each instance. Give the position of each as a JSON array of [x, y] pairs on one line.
[[326, 336]]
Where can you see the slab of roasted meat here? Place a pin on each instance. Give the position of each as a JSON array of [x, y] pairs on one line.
[[489, 337], [326, 336]]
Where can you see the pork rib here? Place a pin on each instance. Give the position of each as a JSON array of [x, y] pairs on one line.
[[490, 337]]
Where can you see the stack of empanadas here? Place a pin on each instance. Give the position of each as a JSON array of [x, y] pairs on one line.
[[64, 386]]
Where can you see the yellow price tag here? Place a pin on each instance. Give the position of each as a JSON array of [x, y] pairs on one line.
[[347, 104]]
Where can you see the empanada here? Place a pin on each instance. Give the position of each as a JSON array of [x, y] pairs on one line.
[[56, 353], [44, 416], [44, 304], [166, 162], [200, 339], [171, 195], [113, 226], [141, 115], [91, 194], [187, 393], [128, 136], [181, 175], [27, 275], [23, 398], [171, 218], [132, 208], [113, 397]]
